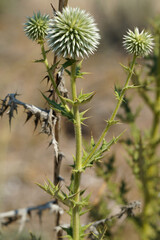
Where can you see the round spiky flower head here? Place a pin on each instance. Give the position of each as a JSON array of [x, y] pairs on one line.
[[73, 33], [138, 43], [36, 26]]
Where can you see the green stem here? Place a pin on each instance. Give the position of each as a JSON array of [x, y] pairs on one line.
[[155, 129], [51, 77], [153, 170], [112, 118], [78, 160], [150, 184]]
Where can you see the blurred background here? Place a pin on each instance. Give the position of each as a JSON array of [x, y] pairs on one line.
[[24, 154]]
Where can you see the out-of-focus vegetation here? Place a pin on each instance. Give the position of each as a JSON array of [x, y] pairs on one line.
[[142, 147], [116, 17], [22, 236]]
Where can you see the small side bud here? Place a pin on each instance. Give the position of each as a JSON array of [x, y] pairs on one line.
[[36, 27], [138, 43]]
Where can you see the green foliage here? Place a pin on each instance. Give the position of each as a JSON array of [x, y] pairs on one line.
[[117, 93], [95, 155], [68, 62], [89, 158], [59, 107], [39, 60], [81, 99], [69, 232], [55, 191], [80, 74], [84, 98], [144, 164]]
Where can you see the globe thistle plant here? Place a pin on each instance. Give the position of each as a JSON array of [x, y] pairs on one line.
[[138, 43], [36, 27], [73, 33]]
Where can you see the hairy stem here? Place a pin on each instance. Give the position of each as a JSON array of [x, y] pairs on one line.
[[78, 160]]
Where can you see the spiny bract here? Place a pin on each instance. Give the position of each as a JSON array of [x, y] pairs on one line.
[[36, 26], [73, 33], [138, 43]]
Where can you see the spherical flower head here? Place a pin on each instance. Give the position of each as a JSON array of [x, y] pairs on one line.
[[36, 27], [138, 43], [73, 33]]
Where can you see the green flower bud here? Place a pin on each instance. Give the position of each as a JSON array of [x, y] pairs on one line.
[[73, 33], [36, 27], [139, 43]]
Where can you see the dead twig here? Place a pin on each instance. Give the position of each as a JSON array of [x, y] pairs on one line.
[[127, 210], [61, 87], [22, 214], [46, 118]]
